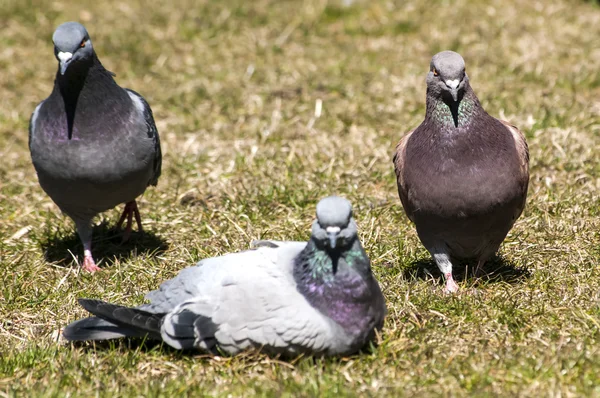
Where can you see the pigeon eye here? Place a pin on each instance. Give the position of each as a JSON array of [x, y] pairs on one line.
[[82, 43], [435, 72]]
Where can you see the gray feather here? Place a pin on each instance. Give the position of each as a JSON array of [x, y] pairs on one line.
[[94, 328], [261, 298]]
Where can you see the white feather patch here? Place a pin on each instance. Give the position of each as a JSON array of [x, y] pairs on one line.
[[137, 102], [64, 56], [452, 83], [35, 115]]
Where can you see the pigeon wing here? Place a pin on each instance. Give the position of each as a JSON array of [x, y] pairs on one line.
[[398, 160], [152, 133], [254, 304]]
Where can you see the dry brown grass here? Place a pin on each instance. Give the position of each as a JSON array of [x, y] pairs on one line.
[[234, 86]]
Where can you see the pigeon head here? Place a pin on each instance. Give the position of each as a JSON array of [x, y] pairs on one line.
[[447, 78], [72, 45], [334, 227]]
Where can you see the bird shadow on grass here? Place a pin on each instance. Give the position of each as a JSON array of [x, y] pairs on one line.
[[144, 344], [131, 344], [62, 249], [141, 344], [495, 270]]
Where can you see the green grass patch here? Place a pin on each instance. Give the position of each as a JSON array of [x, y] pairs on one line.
[[233, 86]]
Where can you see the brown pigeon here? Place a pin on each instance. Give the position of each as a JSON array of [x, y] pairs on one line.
[[462, 174]]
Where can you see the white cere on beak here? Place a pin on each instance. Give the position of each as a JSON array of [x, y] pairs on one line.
[[452, 83], [333, 230], [64, 56]]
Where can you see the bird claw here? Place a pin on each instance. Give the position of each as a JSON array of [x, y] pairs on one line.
[[451, 286], [89, 265]]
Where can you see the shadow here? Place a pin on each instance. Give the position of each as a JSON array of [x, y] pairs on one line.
[[106, 245], [497, 269], [252, 354], [131, 344]]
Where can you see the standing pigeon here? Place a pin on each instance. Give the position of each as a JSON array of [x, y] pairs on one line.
[[286, 298], [462, 174], [93, 144]]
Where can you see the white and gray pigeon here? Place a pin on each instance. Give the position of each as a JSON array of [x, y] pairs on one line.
[[94, 145], [284, 298], [462, 174]]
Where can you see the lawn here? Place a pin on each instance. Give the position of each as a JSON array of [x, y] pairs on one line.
[[234, 86]]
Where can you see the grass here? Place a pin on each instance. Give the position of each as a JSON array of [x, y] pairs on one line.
[[233, 86]]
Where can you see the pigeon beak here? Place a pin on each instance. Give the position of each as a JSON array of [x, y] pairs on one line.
[[333, 233], [454, 93], [64, 59], [453, 86]]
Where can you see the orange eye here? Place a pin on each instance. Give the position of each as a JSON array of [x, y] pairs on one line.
[[82, 43], [435, 72]]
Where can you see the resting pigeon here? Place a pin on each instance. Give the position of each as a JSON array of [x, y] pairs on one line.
[[285, 298], [462, 174], [93, 144]]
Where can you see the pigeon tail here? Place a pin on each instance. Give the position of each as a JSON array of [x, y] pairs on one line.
[[94, 328], [113, 321]]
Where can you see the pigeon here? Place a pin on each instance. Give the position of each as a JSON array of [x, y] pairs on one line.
[[462, 175], [284, 298], [94, 145]]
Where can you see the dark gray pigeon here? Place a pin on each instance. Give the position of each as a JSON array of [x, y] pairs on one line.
[[285, 298], [462, 174], [94, 145]]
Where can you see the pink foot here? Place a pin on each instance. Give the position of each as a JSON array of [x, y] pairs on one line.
[[451, 286], [89, 265]]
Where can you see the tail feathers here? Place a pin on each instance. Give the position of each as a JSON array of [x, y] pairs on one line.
[[93, 328], [113, 321]]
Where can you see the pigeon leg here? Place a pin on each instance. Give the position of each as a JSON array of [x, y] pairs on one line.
[[129, 212], [124, 215], [443, 262], [84, 230], [89, 264], [479, 272], [127, 232], [138, 218]]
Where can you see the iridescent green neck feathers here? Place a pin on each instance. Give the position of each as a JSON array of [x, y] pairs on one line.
[[450, 114]]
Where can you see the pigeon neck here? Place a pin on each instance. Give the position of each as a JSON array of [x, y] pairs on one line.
[[86, 82], [77, 77], [452, 114], [337, 284], [324, 263]]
